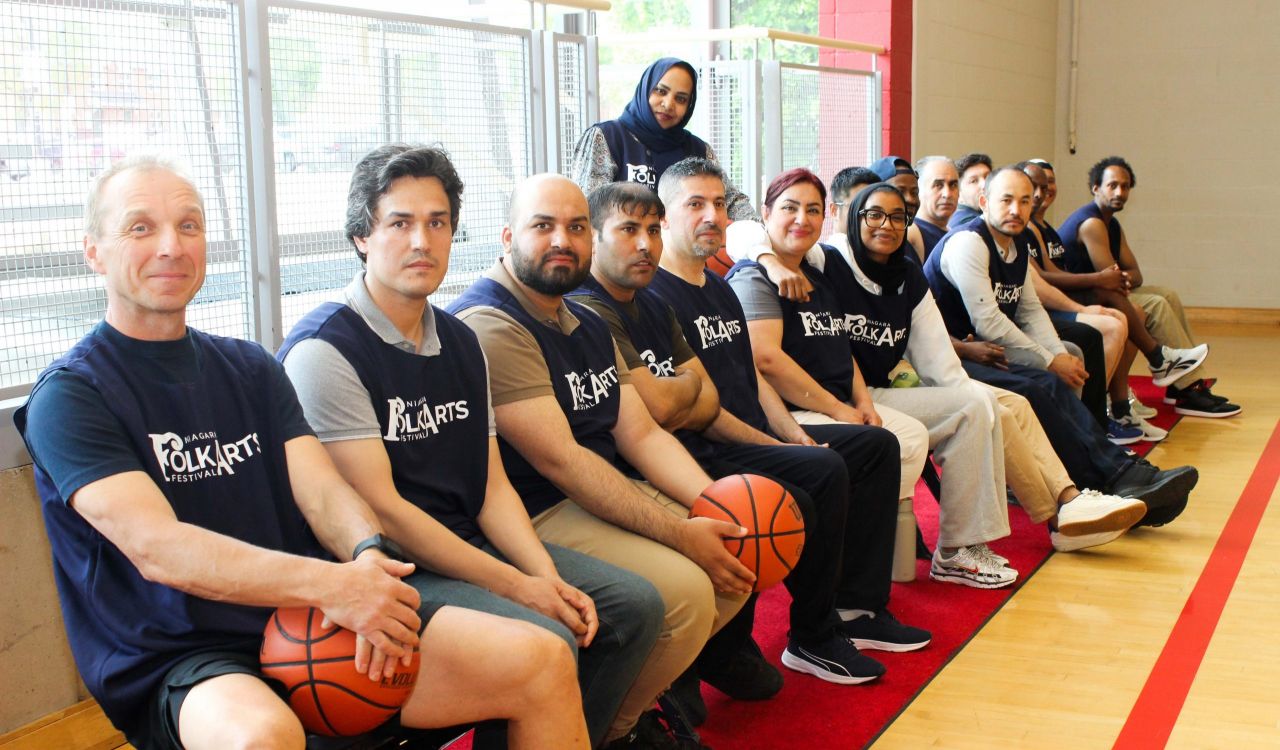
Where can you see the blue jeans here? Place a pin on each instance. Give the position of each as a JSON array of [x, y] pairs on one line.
[[630, 613], [1090, 458]]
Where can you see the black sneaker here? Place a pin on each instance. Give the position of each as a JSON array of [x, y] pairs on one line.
[[654, 732], [1197, 400], [648, 734], [686, 694], [677, 724], [1173, 393], [834, 660], [1164, 491], [747, 677], [881, 631]]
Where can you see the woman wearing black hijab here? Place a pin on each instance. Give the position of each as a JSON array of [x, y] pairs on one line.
[[650, 136], [894, 316]]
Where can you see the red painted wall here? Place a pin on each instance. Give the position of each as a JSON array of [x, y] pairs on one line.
[[883, 22]]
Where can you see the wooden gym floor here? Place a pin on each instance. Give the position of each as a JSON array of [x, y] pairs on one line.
[[1063, 664]]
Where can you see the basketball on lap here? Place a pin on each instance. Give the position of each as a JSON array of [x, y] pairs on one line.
[[720, 263], [317, 668], [774, 524]]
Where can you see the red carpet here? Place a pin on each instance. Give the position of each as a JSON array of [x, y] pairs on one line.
[[810, 713]]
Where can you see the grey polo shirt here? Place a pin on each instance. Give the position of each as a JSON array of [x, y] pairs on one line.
[[335, 402]]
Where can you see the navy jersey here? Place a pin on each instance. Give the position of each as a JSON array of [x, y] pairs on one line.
[[1052, 245], [716, 328], [206, 418], [584, 378], [432, 411], [814, 332], [879, 325], [647, 321], [634, 161], [1075, 257], [1007, 280], [962, 216], [931, 234]]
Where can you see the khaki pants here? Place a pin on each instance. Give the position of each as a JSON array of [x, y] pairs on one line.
[[958, 426], [1032, 469], [1167, 323], [694, 610]]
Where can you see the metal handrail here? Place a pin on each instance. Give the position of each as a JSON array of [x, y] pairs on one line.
[[744, 34], [598, 5]]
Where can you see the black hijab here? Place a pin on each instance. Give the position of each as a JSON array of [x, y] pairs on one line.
[[888, 275], [666, 146]]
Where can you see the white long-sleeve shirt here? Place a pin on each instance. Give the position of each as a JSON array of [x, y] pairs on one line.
[[966, 265]]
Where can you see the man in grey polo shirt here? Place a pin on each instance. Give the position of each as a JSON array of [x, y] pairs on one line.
[[398, 393]]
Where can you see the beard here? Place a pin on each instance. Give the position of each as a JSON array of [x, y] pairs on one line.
[[552, 282]]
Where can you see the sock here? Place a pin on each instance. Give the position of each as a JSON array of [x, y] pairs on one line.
[[1156, 357], [853, 614], [1120, 409]]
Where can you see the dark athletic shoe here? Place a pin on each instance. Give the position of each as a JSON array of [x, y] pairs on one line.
[[881, 631], [1164, 491], [834, 660], [747, 676], [686, 694], [655, 731], [1172, 393], [1197, 400]]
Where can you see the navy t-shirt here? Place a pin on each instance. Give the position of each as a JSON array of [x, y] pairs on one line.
[[432, 411], [206, 418], [716, 328]]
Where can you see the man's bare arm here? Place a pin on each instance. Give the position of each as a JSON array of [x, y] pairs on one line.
[[365, 595]]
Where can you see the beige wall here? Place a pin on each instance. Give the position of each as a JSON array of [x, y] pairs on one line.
[[984, 78], [1188, 92], [37, 672]]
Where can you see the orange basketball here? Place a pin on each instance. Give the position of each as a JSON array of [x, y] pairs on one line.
[[317, 667], [720, 263], [775, 527]]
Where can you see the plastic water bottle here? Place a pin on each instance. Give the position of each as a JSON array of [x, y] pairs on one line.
[[904, 543]]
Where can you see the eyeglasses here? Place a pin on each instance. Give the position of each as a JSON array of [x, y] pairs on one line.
[[874, 217]]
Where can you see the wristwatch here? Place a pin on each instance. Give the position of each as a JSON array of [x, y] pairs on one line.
[[381, 543]]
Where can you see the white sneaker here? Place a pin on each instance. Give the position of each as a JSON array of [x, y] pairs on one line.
[[1178, 362], [990, 554], [968, 568], [1139, 408], [1150, 432], [1072, 543], [1092, 512]]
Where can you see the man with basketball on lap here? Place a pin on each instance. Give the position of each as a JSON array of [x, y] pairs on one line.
[[570, 422], [397, 392], [178, 481], [683, 397]]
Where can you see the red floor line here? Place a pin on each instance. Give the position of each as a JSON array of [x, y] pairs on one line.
[[1153, 716]]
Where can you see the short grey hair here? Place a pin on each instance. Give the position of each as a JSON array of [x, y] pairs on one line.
[[924, 161], [145, 162], [693, 166]]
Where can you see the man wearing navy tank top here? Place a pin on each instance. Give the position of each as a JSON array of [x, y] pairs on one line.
[[1094, 243], [628, 246], [185, 495], [397, 391], [569, 419], [979, 277]]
